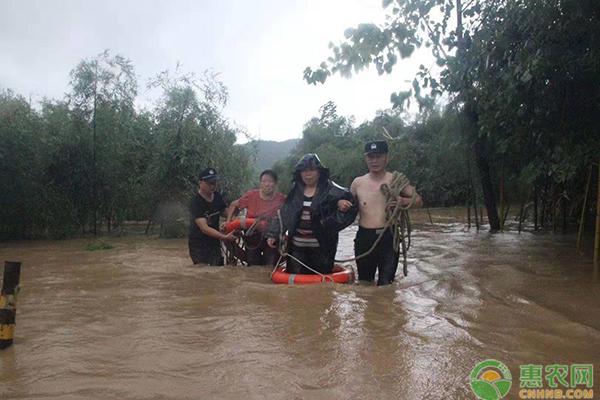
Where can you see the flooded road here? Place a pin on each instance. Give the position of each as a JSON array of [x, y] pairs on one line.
[[140, 322]]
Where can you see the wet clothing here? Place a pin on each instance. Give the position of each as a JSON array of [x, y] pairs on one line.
[[209, 255], [257, 207], [205, 249], [304, 235], [382, 259], [325, 221], [313, 257], [257, 250]]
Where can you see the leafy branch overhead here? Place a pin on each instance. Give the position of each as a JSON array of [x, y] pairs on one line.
[[410, 24], [523, 74]]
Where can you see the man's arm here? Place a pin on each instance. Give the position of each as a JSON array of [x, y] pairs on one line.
[[406, 197], [202, 224], [353, 187], [232, 210]]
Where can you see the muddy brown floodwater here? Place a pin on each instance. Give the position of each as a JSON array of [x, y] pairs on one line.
[[140, 322]]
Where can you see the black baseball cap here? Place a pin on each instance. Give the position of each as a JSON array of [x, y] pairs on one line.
[[376, 146], [208, 174]]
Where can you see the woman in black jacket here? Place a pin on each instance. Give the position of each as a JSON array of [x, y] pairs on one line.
[[315, 210]]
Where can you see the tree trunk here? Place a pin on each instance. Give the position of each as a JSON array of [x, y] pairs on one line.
[[597, 236], [501, 194], [483, 166], [94, 173], [583, 208], [473, 195], [469, 215], [148, 225], [429, 214], [521, 210], [564, 215], [535, 208], [505, 214], [469, 195], [487, 187]]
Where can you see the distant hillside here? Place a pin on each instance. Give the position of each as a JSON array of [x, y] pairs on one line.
[[268, 152]]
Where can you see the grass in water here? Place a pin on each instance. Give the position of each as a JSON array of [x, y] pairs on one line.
[[100, 245]]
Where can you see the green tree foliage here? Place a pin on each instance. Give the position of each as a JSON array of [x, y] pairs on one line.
[[20, 161], [191, 134], [94, 160], [424, 150], [102, 98], [522, 74]]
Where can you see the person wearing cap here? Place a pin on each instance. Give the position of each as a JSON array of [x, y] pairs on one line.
[[315, 210], [372, 216], [261, 204], [206, 207]]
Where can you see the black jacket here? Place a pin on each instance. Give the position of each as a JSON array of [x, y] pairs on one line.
[[327, 220]]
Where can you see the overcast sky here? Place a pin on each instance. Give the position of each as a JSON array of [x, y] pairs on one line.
[[259, 47]]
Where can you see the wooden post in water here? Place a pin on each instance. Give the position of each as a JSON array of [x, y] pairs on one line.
[[597, 237], [8, 302]]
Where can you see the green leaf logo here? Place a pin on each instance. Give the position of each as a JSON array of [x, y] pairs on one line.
[[490, 380]]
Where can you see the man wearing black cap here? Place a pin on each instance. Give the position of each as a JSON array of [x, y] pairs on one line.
[[207, 205], [372, 219]]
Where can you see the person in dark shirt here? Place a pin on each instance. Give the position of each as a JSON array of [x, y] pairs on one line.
[[206, 207]]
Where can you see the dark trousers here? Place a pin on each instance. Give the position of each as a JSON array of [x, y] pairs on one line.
[[311, 256], [382, 258], [206, 252], [258, 252]]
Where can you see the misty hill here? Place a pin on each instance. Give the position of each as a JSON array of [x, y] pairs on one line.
[[268, 152]]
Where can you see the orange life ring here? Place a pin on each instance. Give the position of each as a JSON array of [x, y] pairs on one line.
[[238, 224], [340, 274]]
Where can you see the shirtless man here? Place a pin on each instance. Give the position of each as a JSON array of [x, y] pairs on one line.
[[371, 221]]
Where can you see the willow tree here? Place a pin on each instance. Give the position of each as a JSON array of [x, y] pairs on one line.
[[191, 133], [103, 89], [20, 166]]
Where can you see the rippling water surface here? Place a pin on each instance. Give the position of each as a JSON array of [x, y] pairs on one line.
[[140, 322]]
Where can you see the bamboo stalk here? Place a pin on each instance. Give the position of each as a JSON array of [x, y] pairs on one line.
[[597, 237], [582, 219], [478, 221], [554, 206], [429, 214], [502, 197], [469, 195], [522, 209], [564, 215], [535, 209], [468, 215], [505, 214]]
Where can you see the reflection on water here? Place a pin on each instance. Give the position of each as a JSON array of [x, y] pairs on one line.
[[139, 321]]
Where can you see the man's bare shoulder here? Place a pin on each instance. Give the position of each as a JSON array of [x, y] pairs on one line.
[[360, 179]]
